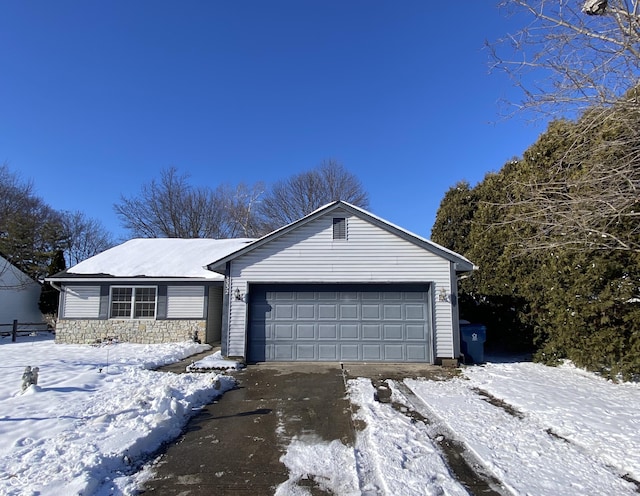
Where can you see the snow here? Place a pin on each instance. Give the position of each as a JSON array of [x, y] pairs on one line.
[[215, 361], [570, 432], [532, 429], [160, 257], [98, 412], [95, 413], [396, 454], [331, 463]]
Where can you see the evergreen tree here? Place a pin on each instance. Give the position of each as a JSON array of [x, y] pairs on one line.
[[453, 219], [538, 283], [30, 230], [49, 296]]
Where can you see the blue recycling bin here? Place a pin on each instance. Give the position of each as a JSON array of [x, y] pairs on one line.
[[473, 338]]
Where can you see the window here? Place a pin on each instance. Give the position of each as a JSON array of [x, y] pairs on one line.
[[339, 228], [133, 303]]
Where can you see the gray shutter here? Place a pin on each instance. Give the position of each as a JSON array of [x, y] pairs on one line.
[[161, 308], [103, 314]]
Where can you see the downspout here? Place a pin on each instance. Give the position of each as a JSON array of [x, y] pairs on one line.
[[59, 290], [55, 286], [226, 295]]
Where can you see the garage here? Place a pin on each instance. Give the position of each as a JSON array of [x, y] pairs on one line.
[[339, 322], [341, 284]]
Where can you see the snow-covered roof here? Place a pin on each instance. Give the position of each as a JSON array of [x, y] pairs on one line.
[[158, 257]]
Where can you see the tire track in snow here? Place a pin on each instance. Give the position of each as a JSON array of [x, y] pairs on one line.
[[466, 467], [396, 455], [526, 458], [512, 410]]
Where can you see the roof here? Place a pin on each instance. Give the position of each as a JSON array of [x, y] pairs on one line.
[[155, 258], [462, 264], [19, 279]]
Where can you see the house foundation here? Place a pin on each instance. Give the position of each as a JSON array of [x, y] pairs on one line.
[[131, 331]]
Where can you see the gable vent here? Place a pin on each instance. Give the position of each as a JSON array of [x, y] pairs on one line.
[[339, 228]]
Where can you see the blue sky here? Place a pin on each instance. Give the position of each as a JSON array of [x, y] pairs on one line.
[[97, 97]]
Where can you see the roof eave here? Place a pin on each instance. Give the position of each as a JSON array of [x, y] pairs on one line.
[[219, 265], [466, 265], [103, 279]]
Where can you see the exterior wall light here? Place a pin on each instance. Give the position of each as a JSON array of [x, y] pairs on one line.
[[442, 295]]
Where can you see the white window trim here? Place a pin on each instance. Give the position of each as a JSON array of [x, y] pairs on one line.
[[133, 303]]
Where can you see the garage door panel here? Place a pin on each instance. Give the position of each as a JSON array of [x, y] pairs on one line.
[[349, 312], [328, 352], [283, 311], [328, 331], [416, 353], [414, 312], [283, 352], [339, 322], [282, 331], [304, 295], [259, 331], [349, 296], [349, 353], [327, 296], [305, 352], [370, 312], [371, 296], [393, 352], [392, 295], [392, 332], [371, 332], [348, 331], [416, 332], [281, 295], [392, 312], [371, 352], [306, 311], [305, 331], [259, 310], [329, 312]]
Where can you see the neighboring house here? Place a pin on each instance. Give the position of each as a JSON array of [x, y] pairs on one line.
[[337, 285], [19, 296]]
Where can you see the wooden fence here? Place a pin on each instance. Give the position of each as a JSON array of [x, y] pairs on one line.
[[23, 329]]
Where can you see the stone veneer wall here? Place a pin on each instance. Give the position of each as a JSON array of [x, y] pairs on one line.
[[128, 330]]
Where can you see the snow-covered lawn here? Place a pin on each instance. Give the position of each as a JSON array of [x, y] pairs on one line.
[[528, 428], [94, 414], [534, 430], [546, 430]]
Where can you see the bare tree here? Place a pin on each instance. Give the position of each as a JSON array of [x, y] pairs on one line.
[[581, 61], [86, 237], [568, 58], [241, 207], [172, 208], [587, 195], [303, 193], [30, 230]]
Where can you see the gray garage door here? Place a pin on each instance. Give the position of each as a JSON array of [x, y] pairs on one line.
[[383, 323]]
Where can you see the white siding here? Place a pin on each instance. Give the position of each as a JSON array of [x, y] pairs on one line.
[[19, 296], [370, 254], [81, 302], [185, 302]]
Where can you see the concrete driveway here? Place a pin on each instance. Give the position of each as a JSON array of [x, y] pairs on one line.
[[234, 445]]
